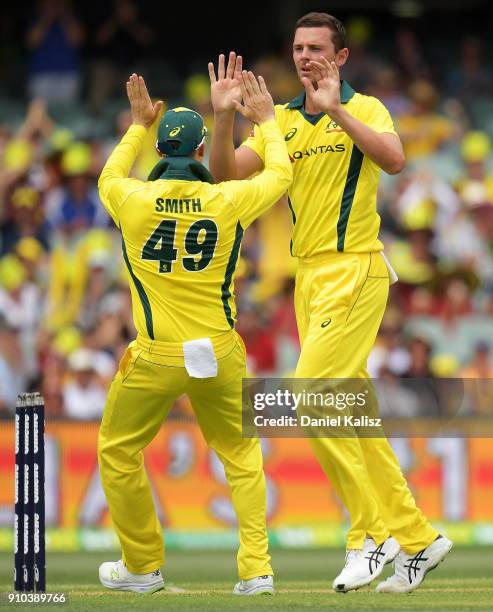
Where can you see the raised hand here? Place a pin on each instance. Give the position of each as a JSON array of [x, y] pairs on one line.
[[327, 96], [144, 112], [257, 101], [225, 88]]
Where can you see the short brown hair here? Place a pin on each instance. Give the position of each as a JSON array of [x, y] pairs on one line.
[[323, 20]]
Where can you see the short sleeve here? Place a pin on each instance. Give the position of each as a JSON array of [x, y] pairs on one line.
[[113, 184], [375, 115], [115, 192], [252, 197], [255, 140]]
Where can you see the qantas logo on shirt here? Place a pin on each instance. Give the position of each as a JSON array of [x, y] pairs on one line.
[[338, 148]]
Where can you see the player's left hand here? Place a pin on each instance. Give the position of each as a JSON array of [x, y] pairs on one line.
[[225, 87], [144, 112], [327, 97], [257, 101]]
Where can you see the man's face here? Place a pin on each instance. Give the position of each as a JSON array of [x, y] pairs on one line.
[[312, 43]]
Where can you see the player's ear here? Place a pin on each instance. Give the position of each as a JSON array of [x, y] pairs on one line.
[[200, 153], [342, 56]]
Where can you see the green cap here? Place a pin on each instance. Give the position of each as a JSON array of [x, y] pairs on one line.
[[181, 132]]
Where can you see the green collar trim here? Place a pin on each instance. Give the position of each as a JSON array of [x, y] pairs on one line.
[[347, 92], [182, 169]]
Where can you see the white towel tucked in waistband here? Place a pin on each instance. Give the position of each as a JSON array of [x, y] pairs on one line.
[[393, 278], [200, 359]]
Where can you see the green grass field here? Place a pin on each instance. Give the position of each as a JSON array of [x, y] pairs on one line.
[[463, 582]]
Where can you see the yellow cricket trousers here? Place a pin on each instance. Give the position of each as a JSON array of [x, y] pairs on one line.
[[150, 377], [340, 300]]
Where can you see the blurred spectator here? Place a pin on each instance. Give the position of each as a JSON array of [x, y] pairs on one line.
[[419, 359], [24, 220], [480, 365], [359, 71], [427, 201], [409, 56], [475, 186], [469, 78], [275, 263], [70, 271], [119, 45], [54, 38], [280, 310], [83, 394], [33, 257], [114, 327], [421, 302], [12, 369], [386, 86], [395, 399], [388, 354], [77, 207], [464, 243], [455, 328], [422, 130], [259, 342], [283, 83], [413, 259], [479, 392], [53, 350], [20, 308]]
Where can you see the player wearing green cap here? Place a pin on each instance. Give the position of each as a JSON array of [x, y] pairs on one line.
[[181, 237], [180, 133]]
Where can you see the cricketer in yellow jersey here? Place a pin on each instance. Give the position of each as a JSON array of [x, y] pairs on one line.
[[181, 236], [338, 140]]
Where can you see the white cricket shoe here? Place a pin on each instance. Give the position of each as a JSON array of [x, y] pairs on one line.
[[363, 566], [410, 570], [261, 585], [114, 575]]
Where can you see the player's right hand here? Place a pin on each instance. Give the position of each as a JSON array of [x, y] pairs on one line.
[[144, 112], [225, 88], [257, 101]]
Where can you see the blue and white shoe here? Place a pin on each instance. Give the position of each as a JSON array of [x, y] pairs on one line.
[[261, 585], [114, 575], [410, 570]]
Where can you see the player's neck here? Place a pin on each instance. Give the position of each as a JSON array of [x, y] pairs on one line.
[[310, 107], [182, 168]]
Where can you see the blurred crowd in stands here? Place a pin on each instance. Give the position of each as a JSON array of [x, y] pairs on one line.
[[65, 314]]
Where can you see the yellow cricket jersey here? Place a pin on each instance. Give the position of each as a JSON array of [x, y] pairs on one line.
[[181, 236], [333, 197]]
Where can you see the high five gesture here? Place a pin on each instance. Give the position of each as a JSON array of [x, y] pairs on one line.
[[257, 101], [225, 87]]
